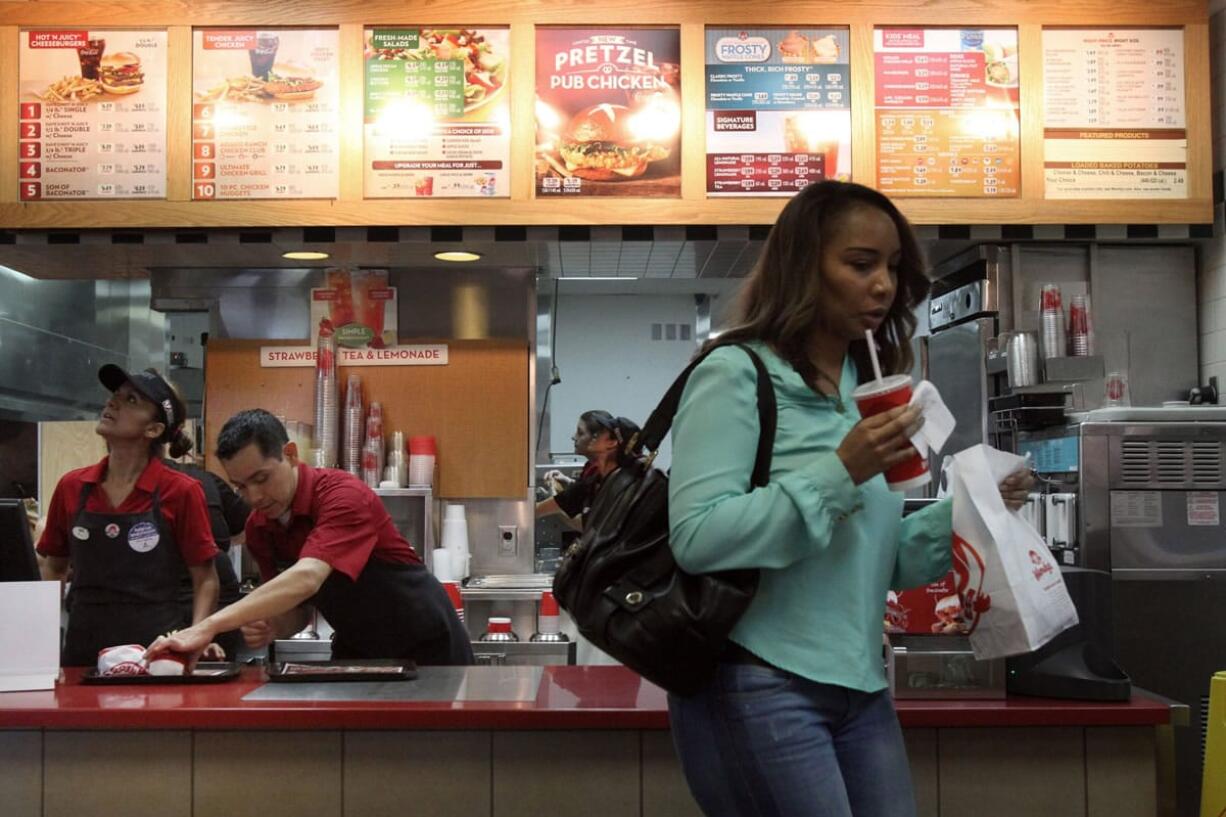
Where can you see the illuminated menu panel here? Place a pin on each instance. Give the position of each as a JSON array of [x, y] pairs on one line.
[[92, 115], [437, 112], [1114, 124], [778, 109], [947, 112], [264, 114]]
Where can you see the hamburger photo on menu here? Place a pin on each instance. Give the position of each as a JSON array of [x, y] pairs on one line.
[[120, 73]]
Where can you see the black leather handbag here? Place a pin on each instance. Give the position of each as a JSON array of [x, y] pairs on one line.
[[620, 583]]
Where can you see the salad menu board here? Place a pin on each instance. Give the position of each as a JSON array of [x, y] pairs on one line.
[[947, 111], [608, 112], [264, 114], [778, 109], [1113, 118], [92, 115], [437, 112]]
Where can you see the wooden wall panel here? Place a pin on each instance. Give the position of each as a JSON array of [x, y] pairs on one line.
[[522, 15], [476, 407]]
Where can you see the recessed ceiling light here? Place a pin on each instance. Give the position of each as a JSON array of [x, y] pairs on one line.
[[457, 255], [305, 255]]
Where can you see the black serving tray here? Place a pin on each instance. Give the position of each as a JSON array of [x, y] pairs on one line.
[[313, 672], [206, 672]]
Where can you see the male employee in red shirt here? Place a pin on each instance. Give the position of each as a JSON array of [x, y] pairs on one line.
[[322, 538]]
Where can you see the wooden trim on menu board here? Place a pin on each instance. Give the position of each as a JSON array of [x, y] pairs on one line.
[[693, 207]]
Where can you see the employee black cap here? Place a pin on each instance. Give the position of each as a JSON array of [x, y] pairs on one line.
[[153, 388]]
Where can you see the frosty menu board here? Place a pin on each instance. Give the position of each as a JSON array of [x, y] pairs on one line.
[[947, 112], [92, 115], [1113, 114], [778, 109], [264, 114], [608, 112], [437, 112]]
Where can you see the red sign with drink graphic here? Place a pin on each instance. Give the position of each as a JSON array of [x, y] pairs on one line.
[[947, 112], [264, 114], [608, 112], [778, 109], [92, 115], [437, 112], [360, 307]]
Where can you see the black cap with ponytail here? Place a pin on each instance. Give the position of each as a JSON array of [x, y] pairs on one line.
[[180, 444]]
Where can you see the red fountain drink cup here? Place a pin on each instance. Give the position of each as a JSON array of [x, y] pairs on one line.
[[875, 397], [370, 295], [339, 281]]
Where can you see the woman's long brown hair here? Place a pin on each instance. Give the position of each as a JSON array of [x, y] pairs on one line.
[[778, 304]]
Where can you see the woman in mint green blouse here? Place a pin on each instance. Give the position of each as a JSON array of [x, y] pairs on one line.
[[797, 720]]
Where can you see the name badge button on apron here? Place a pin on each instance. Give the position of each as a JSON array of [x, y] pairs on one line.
[[143, 537]]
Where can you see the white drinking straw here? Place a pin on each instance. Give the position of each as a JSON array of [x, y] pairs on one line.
[[872, 352]]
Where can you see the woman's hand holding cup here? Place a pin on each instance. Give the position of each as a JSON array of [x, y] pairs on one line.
[[880, 442]]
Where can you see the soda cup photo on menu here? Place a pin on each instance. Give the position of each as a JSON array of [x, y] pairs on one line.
[[881, 395]]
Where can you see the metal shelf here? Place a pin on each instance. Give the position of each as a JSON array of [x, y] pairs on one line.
[[422, 492]]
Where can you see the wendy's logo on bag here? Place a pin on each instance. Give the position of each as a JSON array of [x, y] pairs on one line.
[[969, 569], [1041, 568]]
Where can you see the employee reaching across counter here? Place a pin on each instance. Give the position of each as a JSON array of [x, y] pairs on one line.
[[128, 525], [601, 438], [323, 539]]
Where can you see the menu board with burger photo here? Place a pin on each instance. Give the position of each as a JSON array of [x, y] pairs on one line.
[[778, 109], [608, 112], [264, 114], [947, 112], [92, 115], [437, 112]]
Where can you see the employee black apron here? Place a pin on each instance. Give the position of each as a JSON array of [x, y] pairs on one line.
[[125, 571], [393, 611]]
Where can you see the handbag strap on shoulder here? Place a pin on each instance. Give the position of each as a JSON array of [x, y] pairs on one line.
[[661, 420]]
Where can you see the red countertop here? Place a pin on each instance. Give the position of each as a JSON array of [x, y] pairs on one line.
[[569, 697]]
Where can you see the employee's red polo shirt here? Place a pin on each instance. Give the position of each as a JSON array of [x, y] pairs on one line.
[[335, 518], [181, 499]]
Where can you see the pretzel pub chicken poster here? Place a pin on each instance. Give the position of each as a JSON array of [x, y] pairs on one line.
[[608, 112]]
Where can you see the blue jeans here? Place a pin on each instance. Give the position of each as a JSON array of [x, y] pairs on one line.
[[761, 742]]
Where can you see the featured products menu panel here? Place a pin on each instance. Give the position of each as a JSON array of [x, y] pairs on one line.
[[608, 112], [1113, 114], [92, 115], [265, 114], [947, 112], [778, 109], [437, 112]]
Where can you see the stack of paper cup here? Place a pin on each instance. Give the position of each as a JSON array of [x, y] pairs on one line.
[[1051, 316], [355, 420], [455, 540], [1081, 327], [421, 462], [440, 564]]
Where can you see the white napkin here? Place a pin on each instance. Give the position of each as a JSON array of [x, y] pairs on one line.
[[938, 422]]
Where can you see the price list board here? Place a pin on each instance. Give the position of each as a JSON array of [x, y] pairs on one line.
[[264, 114], [946, 110], [778, 109], [437, 112], [1114, 114], [92, 115]]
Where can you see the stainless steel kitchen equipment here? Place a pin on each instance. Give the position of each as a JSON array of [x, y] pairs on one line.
[[516, 597], [1148, 485]]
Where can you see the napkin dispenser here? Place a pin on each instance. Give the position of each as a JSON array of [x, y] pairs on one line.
[[941, 667]]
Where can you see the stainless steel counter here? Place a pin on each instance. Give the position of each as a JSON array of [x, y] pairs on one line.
[[499, 683]]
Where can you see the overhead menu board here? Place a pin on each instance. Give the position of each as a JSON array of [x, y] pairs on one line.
[[264, 114], [437, 112], [92, 115], [947, 112], [778, 109], [1113, 114], [608, 112]]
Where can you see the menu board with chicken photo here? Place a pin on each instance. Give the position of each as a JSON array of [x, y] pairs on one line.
[[92, 115], [778, 109], [1113, 114], [264, 114], [608, 112], [437, 112], [947, 112]]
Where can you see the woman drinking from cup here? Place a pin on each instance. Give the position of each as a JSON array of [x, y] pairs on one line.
[[128, 525], [797, 720]]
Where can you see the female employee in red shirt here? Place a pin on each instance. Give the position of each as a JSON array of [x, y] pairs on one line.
[[323, 539], [128, 525]]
